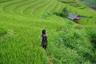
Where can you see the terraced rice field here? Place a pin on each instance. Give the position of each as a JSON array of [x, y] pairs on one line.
[[21, 23], [23, 19]]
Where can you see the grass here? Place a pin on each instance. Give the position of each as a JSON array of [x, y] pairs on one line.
[[21, 23]]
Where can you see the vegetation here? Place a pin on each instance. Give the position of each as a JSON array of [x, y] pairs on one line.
[[90, 3], [21, 23]]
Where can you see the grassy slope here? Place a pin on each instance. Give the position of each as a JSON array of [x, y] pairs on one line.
[[90, 3], [23, 21]]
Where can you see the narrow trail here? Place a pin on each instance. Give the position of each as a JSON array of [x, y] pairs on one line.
[[50, 60]]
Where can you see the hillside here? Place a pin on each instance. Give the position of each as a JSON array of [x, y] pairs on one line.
[[21, 23], [90, 3]]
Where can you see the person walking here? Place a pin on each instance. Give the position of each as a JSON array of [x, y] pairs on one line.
[[44, 39]]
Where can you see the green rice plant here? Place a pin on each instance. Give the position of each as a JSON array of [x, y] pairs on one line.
[[76, 40], [21, 23]]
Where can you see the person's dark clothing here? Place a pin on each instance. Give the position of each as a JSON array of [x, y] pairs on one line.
[[44, 41]]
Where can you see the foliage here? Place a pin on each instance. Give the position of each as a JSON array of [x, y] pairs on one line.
[[21, 23]]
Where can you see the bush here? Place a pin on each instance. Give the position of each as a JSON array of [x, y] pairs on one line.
[[92, 33], [92, 37], [63, 55], [71, 46], [63, 13]]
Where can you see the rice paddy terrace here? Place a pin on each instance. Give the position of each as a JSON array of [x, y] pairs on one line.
[[21, 23]]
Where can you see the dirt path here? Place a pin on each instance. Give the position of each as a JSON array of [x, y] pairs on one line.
[[50, 60]]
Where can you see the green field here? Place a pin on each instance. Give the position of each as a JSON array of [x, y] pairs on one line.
[[21, 23]]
